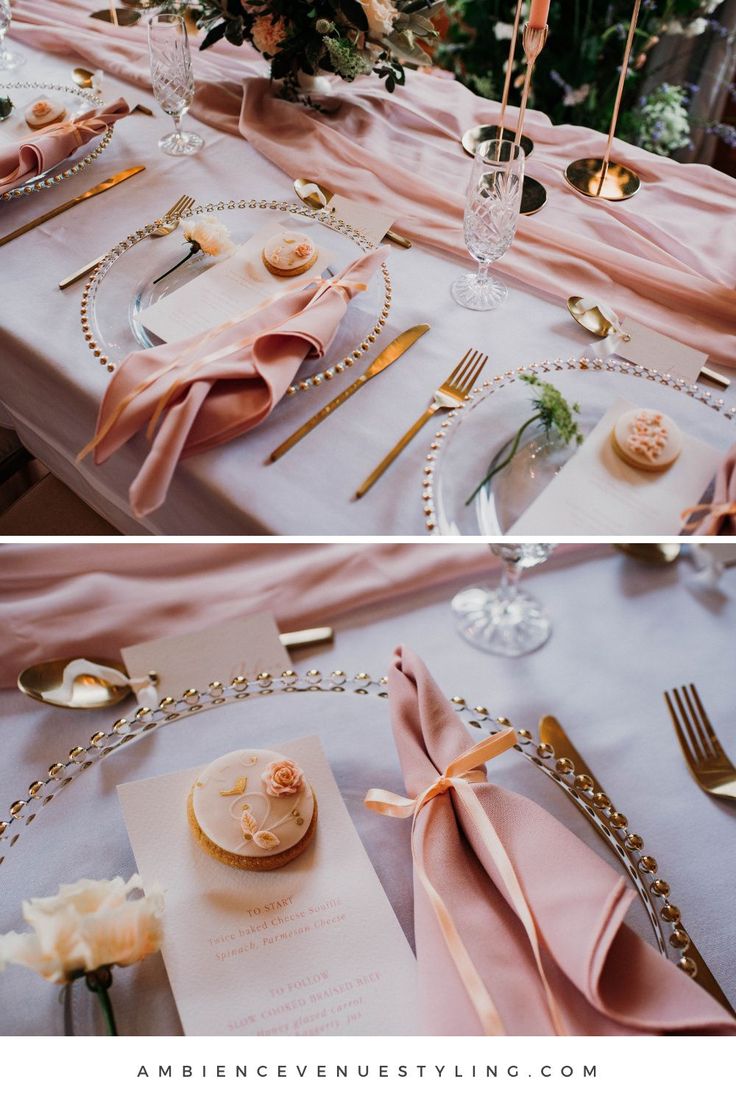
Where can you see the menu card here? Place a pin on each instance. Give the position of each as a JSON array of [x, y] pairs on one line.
[[313, 948], [597, 493], [230, 289]]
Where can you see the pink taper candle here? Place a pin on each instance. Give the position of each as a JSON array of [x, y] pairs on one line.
[[538, 14]]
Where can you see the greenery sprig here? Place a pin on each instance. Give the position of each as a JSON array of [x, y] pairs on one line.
[[552, 411]]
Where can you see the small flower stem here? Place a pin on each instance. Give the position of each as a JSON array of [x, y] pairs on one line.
[[495, 469], [194, 248], [68, 1008], [99, 981]]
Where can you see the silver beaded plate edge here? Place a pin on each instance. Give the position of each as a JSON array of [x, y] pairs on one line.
[[538, 368], [90, 288], [48, 181], [671, 937]]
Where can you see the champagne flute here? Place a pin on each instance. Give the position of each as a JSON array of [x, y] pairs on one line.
[[491, 212], [505, 620], [173, 79], [8, 58]]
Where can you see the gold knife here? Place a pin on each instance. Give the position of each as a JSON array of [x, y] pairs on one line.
[[391, 353], [104, 186], [552, 732]]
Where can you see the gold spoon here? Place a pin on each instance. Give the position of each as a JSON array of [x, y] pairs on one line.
[[84, 79], [88, 691], [303, 189], [599, 320], [656, 554]]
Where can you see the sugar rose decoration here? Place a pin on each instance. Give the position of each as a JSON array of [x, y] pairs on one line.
[[282, 778]]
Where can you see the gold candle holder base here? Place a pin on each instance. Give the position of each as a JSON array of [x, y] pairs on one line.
[[591, 177], [490, 133], [533, 196], [126, 17]]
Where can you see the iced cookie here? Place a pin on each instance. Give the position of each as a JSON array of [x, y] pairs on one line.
[[42, 113], [289, 254], [647, 439], [253, 809]]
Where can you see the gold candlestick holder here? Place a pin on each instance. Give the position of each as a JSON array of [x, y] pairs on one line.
[[534, 195], [600, 177], [494, 131]]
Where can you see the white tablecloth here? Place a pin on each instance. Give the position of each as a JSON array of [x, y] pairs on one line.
[[623, 633], [51, 385]]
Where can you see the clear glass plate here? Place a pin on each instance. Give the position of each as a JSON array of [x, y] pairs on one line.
[[76, 101], [122, 287], [470, 436]]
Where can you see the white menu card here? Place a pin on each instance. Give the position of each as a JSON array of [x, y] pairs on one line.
[[313, 948], [597, 493]]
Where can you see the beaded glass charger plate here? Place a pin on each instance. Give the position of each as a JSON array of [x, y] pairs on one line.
[[469, 437], [69, 824], [75, 101], [123, 286]]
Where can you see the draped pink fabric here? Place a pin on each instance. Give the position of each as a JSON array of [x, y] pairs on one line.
[[94, 599], [662, 258], [716, 523], [48, 147], [605, 979], [202, 391]]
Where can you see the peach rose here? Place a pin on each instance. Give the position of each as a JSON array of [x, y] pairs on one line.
[[282, 778], [267, 35]]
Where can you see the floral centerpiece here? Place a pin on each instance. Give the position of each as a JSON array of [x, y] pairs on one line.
[[349, 38]]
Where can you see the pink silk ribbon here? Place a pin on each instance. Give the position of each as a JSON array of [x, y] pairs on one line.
[[459, 776]]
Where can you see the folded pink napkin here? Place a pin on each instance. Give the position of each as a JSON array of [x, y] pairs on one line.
[[200, 392], [718, 517], [495, 888], [49, 147]]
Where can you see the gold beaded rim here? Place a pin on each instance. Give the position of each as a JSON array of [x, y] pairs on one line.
[[78, 166], [324, 217], [451, 421], [654, 892]]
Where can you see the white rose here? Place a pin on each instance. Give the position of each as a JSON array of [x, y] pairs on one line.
[[86, 925], [381, 15]]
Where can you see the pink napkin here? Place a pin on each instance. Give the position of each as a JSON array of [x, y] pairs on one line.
[[200, 392], [604, 979], [48, 147], [720, 519]]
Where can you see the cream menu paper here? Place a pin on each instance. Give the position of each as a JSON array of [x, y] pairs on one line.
[[311, 949], [597, 493]]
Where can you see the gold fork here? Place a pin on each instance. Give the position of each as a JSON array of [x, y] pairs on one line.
[[166, 225], [708, 763], [450, 394]]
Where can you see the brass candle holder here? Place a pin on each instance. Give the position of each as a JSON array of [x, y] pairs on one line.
[[533, 39], [496, 131], [600, 177]]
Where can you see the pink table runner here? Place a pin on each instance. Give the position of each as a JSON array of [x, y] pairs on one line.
[[662, 258]]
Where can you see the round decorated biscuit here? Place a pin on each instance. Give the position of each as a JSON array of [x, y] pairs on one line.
[[42, 113], [253, 809], [289, 254], [647, 439]]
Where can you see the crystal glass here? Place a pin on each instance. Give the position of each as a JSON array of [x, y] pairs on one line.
[[173, 80], [491, 213], [506, 620], [8, 58]]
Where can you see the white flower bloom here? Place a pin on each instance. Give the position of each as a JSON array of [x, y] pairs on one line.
[[503, 31], [381, 15], [86, 925], [695, 28], [576, 95], [211, 235]]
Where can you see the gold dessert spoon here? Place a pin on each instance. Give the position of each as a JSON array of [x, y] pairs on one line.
[[305, 189], [42, 680], [84, 78]]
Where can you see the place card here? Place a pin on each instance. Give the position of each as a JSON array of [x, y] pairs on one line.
[[659, 352], [313, 948], [230, 289], [241, 646], [597, 493], [372, 221]]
